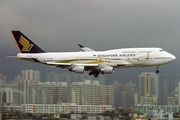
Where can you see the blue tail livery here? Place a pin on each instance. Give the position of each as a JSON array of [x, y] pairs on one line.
[[26, 45]]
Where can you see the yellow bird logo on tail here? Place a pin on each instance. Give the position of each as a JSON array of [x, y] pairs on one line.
[[25, 44]]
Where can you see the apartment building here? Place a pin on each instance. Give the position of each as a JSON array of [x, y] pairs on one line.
[[148, 87], [64, 108], [91, 93]]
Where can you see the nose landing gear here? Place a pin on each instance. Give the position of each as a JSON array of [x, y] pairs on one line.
[[157, 71]]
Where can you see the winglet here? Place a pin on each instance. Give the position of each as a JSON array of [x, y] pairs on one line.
[[86, 49], [81, 46], [26, 45]]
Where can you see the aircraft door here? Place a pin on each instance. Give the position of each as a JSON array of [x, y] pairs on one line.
[[137, 52], [151, 57]]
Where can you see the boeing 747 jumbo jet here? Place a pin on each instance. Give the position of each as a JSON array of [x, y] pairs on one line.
[[96, 62]]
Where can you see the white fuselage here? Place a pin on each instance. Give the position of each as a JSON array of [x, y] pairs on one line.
[[127, 57]]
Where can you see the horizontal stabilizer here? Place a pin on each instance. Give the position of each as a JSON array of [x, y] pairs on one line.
[[12, 56]]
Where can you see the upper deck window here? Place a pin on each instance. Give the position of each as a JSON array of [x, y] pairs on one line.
[[144, 51], [129, 52]]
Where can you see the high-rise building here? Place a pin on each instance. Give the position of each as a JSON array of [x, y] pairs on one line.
[[164, 89], [10, 95], [2, 79], [101, 95], [130, 89], [6, 95], [48, 92], [128, 95], [125, 95], [147, 87], [173, 98], [28, 76], [34, 89], [91, 93], [24, 87], [179, 92], [135, 99], [101, 80], [52, 77], [17, 79], [82, 93], [66, 77], [75, 92], [109, 95], [32, 75], [17, 97], [123, 98], [117, 92], [174, 79], [167, 84]]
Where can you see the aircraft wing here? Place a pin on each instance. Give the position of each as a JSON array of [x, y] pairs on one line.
[[124, 63], [56, 64], [86, 49], [69, 64], [112, 64]]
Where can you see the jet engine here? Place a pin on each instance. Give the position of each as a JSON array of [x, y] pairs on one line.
[[78, 69], [107, 70]]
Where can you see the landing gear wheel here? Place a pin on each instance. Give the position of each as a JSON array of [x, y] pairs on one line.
[[157, 71], [90, 73], [96, 75]]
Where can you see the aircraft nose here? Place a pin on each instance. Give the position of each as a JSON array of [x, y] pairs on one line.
[[173, 57]]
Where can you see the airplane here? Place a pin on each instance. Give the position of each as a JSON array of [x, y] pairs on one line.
[[96, 62]]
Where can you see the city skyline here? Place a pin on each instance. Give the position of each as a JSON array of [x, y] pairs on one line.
[[151, 88], [28, 89], [80, 77]]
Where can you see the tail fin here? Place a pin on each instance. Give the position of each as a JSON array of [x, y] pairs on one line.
[[26, 45]]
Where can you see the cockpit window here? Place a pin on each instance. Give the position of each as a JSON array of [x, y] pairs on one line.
[[161, 50]]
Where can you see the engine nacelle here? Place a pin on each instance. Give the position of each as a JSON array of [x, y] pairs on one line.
[[108, 70], [78, 69]]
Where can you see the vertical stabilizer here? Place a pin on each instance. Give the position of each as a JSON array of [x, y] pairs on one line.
[[26, 45]]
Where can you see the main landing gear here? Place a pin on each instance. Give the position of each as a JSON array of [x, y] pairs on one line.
[[157, 71], [95, 73]]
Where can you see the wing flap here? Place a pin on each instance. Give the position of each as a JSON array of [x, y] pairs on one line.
[[88, 65], [54, 63], [68, 64], [124, 64]]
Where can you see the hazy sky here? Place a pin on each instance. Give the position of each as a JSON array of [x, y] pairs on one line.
[[59, 25]]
